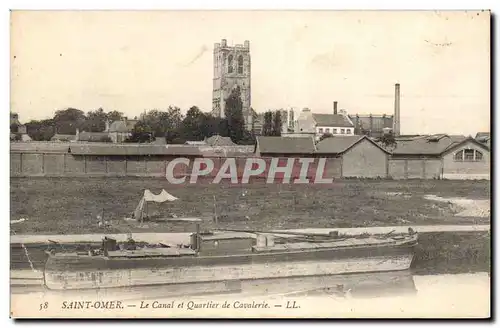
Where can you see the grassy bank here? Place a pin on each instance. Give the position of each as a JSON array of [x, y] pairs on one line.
[[70, 205], [452, 252]]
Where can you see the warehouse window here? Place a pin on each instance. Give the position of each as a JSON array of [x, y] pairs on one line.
[[468, 155]]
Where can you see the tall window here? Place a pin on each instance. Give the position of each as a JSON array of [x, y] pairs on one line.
[[320, 130], [349, 131], [240, 64], [342, 131], [230, 64], [468, 155], [327, 130], [334, 131]]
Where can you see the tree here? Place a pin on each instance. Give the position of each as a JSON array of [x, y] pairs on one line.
[[68, 120], [276, 126], [234, 115], [141, 133], [267, 127], [95, 121], [388, 140], [40, 130], [192, 125], [114, 115], [174, 117]]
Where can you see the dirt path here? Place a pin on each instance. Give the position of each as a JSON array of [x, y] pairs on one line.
[[465, 206]]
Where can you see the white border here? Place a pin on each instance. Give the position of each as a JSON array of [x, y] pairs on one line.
[[150, 4]]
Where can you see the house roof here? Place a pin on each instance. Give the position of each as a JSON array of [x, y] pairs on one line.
[[426, 145], [284, 145], [122, 126], [340, 144], [334, 120], [217, 140]]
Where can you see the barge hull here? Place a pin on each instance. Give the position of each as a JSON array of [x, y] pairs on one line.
[[129, 277]]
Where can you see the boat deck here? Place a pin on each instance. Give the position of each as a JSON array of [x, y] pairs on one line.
[[350, 242]]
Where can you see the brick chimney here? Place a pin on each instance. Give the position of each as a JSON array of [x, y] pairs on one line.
[[397, 117], [335, 108]]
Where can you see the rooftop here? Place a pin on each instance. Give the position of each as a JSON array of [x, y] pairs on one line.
[[426, 145], [286, 145], [336, 120], [340, 144]]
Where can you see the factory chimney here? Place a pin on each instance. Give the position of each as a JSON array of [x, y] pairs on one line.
[[397, 114], [335, 108]]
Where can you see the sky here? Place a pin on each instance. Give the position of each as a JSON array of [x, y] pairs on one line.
[[133, 61]]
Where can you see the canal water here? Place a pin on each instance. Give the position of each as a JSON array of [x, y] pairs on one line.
[[388, 295]]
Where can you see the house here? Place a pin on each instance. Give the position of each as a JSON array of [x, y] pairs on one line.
[[358, 156], [18, 131], [285, 147], [336, 124], [118, 131], [439, 156], [15, 126]]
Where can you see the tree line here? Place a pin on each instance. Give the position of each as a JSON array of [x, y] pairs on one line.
[[170, 124]]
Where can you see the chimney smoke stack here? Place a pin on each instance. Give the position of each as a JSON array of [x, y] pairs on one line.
[[335, 107], [397, 117]]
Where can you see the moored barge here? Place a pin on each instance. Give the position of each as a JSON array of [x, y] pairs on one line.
[[228, 256]]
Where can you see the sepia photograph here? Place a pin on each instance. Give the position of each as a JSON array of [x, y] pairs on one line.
[[250, 164]]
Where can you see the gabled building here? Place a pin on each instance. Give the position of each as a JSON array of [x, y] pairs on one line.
[[119, 131], [337, 123], [359, 156], [440, 156]]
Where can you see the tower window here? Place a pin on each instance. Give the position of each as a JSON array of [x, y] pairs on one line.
[[240, 64], [230, 64]]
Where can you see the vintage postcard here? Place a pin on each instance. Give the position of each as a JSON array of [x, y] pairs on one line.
[[250, 164]]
